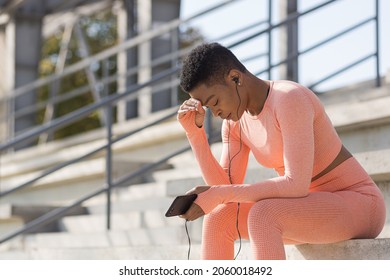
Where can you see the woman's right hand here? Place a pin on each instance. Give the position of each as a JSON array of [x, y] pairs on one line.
[[191, 112]]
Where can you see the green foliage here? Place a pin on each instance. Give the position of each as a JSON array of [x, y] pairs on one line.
[[100, 33]]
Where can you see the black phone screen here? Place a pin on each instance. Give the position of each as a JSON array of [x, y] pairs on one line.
[[180, 205]]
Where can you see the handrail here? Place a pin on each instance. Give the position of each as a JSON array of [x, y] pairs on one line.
[[289, 18], [131, 71], [109, 101], [64, 120], [132, 42], [323, 42], [319, 44], [342, 70]]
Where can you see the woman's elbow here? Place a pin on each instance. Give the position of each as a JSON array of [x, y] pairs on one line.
[[300, 188]]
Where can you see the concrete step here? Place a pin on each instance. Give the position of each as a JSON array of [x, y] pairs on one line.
[[81, 173], [89, 175], [121, 221], [15, 216], [140, 205], [71, 182], [131, 193], [144, 147], [10, 224], [363, 124], [15, 255], [41, 156], [76, 172], [167, 252], [359, 249], [174, 235], [177, 173], [57, 194]]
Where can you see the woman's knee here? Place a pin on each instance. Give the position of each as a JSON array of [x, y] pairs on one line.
[[263, 212], [222, 221], [222, 215]]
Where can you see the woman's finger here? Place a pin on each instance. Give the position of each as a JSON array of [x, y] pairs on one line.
[[193, 213]]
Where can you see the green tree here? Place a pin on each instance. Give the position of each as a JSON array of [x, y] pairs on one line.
[[100, 33]]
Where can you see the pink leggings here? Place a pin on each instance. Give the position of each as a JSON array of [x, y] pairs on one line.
[[341, 205]]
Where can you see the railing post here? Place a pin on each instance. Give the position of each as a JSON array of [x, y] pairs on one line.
[[289, 39], [1, 152], [378, 78], [269, 39], [109, 163]]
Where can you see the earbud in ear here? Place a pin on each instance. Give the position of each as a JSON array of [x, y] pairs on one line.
[[236, 80]]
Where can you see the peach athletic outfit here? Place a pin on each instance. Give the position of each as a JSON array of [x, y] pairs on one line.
[[293, 135]]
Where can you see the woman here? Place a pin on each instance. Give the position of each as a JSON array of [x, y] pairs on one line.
[[322, 194]]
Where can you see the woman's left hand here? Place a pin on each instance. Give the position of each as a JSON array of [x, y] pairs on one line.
[[195, 211]]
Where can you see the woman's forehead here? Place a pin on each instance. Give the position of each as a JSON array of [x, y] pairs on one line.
[[205, 93]]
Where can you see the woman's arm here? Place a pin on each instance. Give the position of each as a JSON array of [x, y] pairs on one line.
[[213, 172]]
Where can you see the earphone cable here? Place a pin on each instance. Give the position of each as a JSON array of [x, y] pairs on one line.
[[231, 182], [189, 241]]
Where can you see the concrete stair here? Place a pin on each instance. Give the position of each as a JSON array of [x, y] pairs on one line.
[[84, 177], [139, 228]]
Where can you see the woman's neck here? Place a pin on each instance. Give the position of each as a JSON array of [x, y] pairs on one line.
[[257, 95]]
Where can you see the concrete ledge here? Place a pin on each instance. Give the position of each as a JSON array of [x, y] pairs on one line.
[[359, 249], [359, 114], [376, 163], [356, 92]]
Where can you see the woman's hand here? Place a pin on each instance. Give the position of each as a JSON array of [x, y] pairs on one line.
[[195, 211], [190, 112]]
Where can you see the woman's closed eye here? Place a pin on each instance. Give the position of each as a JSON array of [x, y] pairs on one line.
[[215, 104]]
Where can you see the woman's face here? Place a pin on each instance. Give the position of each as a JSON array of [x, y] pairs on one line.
[[223, 100]]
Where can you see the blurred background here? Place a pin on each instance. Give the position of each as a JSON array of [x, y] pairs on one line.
[[89, 89]]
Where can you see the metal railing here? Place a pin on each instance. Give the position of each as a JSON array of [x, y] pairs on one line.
[[108, 103], [85, 64]]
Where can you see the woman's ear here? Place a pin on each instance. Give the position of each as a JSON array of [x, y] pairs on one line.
[[235, 76]]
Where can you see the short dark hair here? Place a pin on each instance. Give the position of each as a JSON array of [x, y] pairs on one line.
[[209, 64]]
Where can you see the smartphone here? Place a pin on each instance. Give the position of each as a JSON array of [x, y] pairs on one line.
[[180, 205]]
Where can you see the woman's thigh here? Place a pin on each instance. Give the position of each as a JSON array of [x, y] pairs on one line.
[[320, 217]]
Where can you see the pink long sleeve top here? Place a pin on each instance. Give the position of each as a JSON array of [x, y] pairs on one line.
[[292, 134]]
